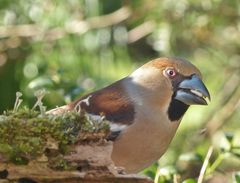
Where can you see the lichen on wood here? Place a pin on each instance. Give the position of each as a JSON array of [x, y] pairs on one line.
[[38, 146], [26, 134]]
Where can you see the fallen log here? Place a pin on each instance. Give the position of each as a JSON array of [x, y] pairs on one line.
[[37, 147]]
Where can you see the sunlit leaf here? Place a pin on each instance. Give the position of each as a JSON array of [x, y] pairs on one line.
[[190, 157], [41, 82], [165, 174], [190, 181]]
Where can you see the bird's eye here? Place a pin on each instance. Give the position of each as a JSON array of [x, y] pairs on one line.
[[171, 73]]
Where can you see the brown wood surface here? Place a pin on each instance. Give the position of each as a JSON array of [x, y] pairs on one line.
[[93, 162]]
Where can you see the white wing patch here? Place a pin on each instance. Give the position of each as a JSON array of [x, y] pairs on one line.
[[97, 119], [114, 127]]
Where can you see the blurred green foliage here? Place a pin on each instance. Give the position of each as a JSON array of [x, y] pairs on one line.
[[76, 46]]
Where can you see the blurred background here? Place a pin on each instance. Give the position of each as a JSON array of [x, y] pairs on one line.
[[76, 46]]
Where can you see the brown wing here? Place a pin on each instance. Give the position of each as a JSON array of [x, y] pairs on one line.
[[112, 102]]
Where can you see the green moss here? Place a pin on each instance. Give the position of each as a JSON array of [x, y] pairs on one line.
[[59, 163], [27, 134]]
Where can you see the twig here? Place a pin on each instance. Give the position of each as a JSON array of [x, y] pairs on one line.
[[231, 82], [175, 178], [216, 163], [205, 164], [225, 113], [141, 31], [74, 27]]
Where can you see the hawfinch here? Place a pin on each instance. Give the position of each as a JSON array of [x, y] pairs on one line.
[[145, 109]]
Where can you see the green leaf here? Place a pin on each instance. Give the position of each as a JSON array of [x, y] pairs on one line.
[[229, 136], [237, 177], [189, 181]]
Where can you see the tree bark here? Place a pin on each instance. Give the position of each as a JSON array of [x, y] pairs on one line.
[[88, 163]]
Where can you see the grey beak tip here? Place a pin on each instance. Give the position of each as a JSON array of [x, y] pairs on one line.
[[209, 97]]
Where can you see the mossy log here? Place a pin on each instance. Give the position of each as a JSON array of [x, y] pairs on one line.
[[66, 148]]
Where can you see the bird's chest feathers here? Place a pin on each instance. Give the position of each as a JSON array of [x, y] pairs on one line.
[[145, 140], [155, 128]]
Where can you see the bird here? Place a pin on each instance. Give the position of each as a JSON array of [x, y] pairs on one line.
[[145, 108]]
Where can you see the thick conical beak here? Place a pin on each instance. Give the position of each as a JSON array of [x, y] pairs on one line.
[[192, 91]]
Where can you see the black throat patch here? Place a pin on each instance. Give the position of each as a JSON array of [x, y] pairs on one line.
[[176, 109]]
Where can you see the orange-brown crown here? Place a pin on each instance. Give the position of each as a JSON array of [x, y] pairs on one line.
[[182, 66]]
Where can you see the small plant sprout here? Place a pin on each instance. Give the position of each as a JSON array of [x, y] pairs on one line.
[[18, 101], [78, 106], [40, 94]]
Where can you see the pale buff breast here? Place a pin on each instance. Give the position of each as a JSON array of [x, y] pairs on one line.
[[144, 142]]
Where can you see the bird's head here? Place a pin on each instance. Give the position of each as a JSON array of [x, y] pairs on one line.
[[175, 79]]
